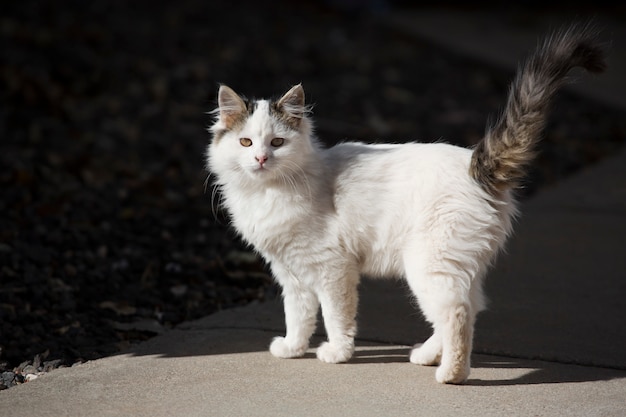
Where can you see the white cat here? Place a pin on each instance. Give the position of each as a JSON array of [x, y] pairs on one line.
[[434, 214]]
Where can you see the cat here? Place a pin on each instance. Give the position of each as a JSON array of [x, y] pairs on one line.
[[432, 213]]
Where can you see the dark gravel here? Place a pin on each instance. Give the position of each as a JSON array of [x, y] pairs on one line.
[[107, 234]]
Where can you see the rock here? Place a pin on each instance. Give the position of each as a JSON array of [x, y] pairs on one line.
[[179, 290], [53, 364], [120, 308], [30, 377], [8, 379], [28, 369]]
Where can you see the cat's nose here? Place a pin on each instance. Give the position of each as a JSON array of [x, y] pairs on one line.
[[261, 158]]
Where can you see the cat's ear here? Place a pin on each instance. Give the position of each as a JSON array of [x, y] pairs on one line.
[[232, 108], [292, 106]]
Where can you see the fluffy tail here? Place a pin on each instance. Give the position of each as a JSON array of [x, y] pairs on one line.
[[500, 160]]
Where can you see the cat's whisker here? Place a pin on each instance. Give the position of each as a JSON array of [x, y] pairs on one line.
[[215, 194], [215, 205], [288, 181], [292, 182], [206, 182], [287, 177], [302, 177]]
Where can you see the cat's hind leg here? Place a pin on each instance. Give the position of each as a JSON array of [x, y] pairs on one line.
[[301, 306], [450, 346], [429, 352], [446, 303], [457, 332]]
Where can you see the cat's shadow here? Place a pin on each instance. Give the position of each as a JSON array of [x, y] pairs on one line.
[[531, 372], [535, 372], [373, 356], [487, 370]]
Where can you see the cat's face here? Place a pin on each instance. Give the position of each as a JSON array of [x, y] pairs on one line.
[[259, 140]]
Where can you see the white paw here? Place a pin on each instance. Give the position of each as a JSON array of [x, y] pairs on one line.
[[281, 349], [456, 374], [425, 356], [333, 353]]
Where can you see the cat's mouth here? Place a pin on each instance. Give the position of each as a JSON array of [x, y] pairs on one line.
[[260, 169]]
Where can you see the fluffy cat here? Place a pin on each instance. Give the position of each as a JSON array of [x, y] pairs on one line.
[[434, 214]]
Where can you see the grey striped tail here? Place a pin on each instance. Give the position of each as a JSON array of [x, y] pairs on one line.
[[501, 159]]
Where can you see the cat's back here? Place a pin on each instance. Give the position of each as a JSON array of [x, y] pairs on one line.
[[354, 163], [382, 182]]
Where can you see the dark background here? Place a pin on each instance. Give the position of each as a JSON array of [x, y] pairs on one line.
[[108, 233]]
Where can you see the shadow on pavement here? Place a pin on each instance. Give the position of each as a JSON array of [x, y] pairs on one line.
[[486, 370], [534, 372], [542, 372]]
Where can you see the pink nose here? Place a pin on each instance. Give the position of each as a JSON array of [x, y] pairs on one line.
[[262, 159]]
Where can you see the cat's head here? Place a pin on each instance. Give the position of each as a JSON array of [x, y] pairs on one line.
[[259, 140]]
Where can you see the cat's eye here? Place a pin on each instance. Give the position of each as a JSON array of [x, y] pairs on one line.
[[245, 142], [276, 142]]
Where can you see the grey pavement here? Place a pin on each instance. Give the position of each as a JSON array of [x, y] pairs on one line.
[[553, 341]]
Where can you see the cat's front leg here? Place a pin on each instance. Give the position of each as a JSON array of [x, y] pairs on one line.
[[301, 306], [339, 300]]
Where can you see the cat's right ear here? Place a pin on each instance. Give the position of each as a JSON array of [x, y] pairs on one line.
[[292, 106], [232, 108]]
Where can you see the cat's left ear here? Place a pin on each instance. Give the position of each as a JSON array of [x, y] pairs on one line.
[[232, 108], [292, 106]]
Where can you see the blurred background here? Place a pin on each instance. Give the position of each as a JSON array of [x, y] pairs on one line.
[[109, 230]]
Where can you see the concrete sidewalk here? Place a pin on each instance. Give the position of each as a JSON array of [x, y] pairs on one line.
[[552, 343]]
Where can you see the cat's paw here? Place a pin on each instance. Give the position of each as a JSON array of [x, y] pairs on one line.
[[452, 374], [335, 353], [281, 349], [425, 355]]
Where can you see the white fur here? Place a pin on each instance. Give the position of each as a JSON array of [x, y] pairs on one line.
[[323, 217]]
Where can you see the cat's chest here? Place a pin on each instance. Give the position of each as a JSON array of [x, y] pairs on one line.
[[269, 220]]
